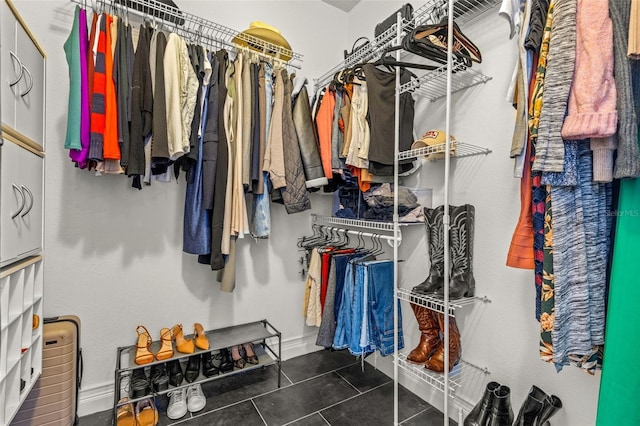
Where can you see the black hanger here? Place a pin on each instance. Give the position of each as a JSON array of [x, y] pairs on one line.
[[390, 61]]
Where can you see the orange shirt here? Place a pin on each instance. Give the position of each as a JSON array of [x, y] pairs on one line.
[[324, 123]]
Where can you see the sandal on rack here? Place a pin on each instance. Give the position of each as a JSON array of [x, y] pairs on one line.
[[146, 413], [166, 348], [198, 335], [183, 344], [143, 353], [125, 415], [238, 360], [249, 355]]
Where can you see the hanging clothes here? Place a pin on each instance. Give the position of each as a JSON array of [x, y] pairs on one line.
[[261, 217], [73, 56], [220, 61], [294, 194], [141, 106], [157, 155], [98, 100], [122, 67], [628, 158], [381, 89], [580, 229], [197, 220]]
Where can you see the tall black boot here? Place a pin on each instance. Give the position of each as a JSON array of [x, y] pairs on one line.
[[501, 412], [435, 230], [550, 406], [481, 413], [462, 282], [531, 407]]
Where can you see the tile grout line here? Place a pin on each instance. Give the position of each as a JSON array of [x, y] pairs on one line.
[[348, 382], [415, 415], [258, 411], [323, 418], [286, 377]]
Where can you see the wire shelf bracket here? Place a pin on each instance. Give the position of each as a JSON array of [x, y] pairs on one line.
[[462, 150], [436, 303], [462, 373]]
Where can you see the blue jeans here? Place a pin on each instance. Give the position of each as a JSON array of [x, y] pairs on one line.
[[365, 316], [261, 217], [380, 308]]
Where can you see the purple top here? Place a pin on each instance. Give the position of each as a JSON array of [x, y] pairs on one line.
[[80, 156]]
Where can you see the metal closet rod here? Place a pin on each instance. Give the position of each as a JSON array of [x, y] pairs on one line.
[[360, 233], [193, 28]]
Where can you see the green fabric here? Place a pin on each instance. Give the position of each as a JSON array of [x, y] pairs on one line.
[[620, 385], [72, 52]]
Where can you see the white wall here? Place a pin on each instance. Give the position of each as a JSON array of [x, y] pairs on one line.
[[502, 335], [113, 254]]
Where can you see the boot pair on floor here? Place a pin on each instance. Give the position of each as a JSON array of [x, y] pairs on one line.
[[461, 282], [494, 409], [430, 350]]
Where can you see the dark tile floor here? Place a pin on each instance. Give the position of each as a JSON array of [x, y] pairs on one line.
[[318, 389]]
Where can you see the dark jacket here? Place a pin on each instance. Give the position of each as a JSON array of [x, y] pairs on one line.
[[294, 195], [217, 220], [141, 103], [308, 141]]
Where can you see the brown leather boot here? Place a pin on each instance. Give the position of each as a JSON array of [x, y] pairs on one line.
[[429, 335], [436, 362]]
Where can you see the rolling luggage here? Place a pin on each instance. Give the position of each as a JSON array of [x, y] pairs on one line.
[[53, 401]]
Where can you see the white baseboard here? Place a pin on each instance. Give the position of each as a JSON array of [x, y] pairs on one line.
[[100, 397]]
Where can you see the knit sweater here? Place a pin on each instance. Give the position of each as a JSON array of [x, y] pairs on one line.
[[557, 85], [628, 159]]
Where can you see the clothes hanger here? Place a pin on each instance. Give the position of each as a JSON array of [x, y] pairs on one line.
[[390, 61]]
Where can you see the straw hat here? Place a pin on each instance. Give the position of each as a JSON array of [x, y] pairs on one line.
[[267, 33], [435, 137]]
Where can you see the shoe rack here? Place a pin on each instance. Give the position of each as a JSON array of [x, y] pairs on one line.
[[260, 333], [21, 290]]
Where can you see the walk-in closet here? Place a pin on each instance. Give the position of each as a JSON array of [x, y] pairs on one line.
[[319, 212]]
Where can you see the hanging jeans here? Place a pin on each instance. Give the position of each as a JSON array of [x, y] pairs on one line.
[[261, 220], [379, 308], [365, 316]]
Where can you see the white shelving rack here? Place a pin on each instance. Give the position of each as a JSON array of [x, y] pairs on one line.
[[434, 85]]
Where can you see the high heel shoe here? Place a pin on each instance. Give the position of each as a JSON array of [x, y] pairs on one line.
[[192, 371], [209, 368], [249, 355], [198, 335], [238, 361], [183, 344], [226, 363], [166, 348], [143, 354], [176, 374]]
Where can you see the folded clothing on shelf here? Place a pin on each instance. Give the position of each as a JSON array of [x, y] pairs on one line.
[[377, 204]]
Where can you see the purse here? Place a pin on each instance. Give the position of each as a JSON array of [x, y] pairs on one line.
[[363, 43], [406, 12]]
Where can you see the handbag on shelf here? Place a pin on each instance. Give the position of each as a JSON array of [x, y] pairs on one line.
[[406, 11], [364, 41]]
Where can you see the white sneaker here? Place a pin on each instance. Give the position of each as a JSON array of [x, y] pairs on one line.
[[177, 404], [195, 398]]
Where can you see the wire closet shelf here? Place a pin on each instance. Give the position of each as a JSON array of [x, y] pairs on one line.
[[429, 13], [374, 226], [463, 375], [191, 27], [436, 303], [462, 149]]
